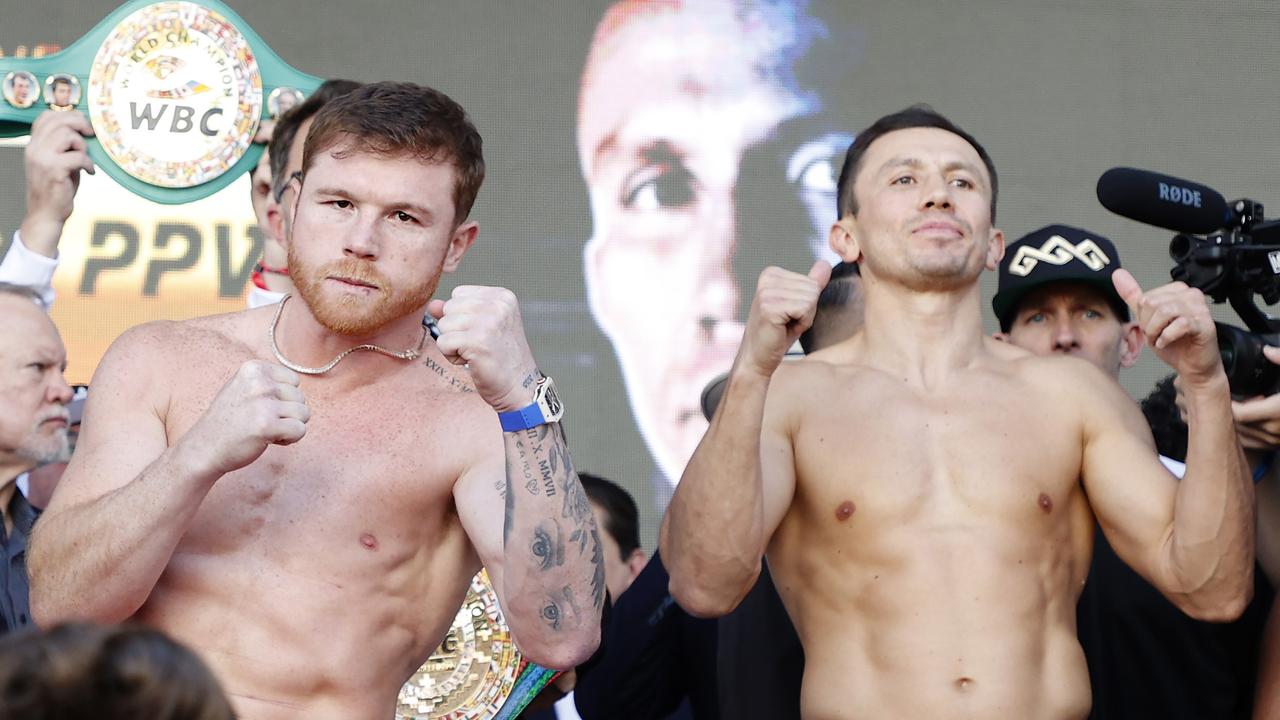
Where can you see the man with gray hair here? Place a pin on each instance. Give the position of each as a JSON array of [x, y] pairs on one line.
[[33, 430]]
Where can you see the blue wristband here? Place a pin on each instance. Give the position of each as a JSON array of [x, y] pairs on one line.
[[522, 419]]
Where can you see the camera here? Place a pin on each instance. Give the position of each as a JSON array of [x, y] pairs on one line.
[[1230, 252], [1238, 264]]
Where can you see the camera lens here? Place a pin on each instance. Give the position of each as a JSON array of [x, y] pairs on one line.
[[1228, 351]]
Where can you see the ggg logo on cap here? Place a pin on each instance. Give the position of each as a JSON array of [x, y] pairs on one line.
[[175, 94], [1057, 250]]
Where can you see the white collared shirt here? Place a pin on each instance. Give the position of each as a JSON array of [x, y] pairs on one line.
[[21, 266]]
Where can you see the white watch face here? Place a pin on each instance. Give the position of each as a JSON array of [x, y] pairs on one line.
[[550, 401]]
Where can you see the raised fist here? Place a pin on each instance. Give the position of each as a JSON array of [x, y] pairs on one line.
[[260, 405], [481, 327]]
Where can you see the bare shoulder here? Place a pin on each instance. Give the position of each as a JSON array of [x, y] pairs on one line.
[[1061, 380], [145, 357], [245, 329], [805, 372], [161, 338], [800, 384]]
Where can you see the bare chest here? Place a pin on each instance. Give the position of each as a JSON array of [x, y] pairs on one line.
[[890, 457], [376, 469]]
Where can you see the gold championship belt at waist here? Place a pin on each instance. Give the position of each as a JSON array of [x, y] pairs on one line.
[[477, 672], [175, 92], [473, 671]]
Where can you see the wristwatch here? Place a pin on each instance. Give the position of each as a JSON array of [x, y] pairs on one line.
[[545, 408]]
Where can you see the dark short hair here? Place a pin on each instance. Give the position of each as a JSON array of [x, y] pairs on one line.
[[61, 81], [397, 118], [916, 116], [81, 670], [622, 520], [837, 293], [1161, 410], [287, 128]]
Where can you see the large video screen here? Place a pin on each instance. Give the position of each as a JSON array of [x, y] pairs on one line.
[[647, 159]]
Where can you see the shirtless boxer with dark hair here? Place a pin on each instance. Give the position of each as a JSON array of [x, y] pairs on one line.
[[927, 495]]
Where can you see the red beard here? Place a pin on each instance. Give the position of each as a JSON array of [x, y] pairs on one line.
[[351, 314]]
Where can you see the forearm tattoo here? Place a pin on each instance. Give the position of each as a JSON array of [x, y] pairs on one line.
[[559, 604], [575, 529], [548, 545]]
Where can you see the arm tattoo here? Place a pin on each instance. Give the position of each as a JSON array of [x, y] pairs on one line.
[[576, 509], [559, 604], [530, 483], [581, 537], [509, 513], [448, 377], [548, 545], [554, 474]]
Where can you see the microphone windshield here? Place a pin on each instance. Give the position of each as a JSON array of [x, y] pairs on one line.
[[1163, 200]]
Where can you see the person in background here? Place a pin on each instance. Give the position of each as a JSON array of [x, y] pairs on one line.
[[33, 431], [52, 161], [39, 484], [79, 671]]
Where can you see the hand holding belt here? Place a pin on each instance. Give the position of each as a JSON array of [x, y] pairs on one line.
[[174, 90]]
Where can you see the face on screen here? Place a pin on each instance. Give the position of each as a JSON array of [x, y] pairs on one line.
[[703, 167]]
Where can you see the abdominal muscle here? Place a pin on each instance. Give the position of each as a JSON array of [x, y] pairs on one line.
[[942, 622], [331, 639]]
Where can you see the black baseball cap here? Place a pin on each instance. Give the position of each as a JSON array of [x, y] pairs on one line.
[[1055, 254]]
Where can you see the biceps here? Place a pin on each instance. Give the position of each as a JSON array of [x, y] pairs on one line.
[[778, 477], [1132, 495], [481, 497], [118, 440]]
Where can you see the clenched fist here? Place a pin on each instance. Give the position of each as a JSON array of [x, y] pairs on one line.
[[481, 327], [782, 310], [260, 405]]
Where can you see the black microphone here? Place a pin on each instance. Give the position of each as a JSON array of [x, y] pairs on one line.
[[1168, 202]]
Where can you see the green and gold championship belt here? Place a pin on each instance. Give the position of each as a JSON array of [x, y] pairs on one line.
[[477, 672], [175, 92]]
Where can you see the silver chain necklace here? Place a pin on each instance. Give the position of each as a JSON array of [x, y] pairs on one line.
[[411, 354]]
